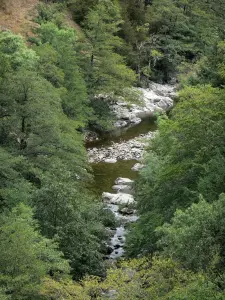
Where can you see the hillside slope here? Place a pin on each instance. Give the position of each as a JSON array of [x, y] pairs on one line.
[[17, 15]]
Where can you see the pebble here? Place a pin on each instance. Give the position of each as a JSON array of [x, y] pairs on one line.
[[133, 149]]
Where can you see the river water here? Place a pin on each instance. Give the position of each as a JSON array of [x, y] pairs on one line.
[[117, 152], [105, 174]]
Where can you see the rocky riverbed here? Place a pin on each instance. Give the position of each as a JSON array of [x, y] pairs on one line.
[[121, 202], [157, 98], [126, 150]]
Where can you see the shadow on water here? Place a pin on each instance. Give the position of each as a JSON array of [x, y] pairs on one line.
[[124, 134]]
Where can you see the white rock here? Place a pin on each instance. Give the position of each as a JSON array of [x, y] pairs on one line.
[[135, 120], [107, 196], [119, 198], [111, 160], [123, 181], [156, 98]]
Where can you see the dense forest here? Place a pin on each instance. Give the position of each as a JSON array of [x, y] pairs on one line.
[[52, 226]]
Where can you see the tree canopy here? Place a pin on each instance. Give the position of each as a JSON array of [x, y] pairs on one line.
[[60, 80]]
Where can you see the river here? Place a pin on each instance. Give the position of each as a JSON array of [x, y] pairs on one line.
[[114, 155], [106, 174]]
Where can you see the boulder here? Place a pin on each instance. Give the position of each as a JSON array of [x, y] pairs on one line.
[[123, 181], [156, 98], [119, 198]]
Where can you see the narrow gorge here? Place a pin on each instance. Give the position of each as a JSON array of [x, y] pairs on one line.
[[118, 156], [112, 150]]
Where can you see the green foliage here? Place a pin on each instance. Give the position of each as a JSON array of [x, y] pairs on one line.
[[58, 64], [13, 186], [80, 8], [160, 35], [53, 12], [26, 256], [185, 158], [195, 236], [211, 68], [151, 279], [14, 54], [103, 116], [63, 289], [107, 71], [104, 70], [45, 163], [65, 211], [69, 80], [175, 28], [212, 177]]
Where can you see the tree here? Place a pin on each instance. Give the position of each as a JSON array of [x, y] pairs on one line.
[[65, 210], [107, 71], [211, 68], [26, 256], [14, 53], [195, 236], [44, 149], [62, 69], [13, 185], [158, 278], [189, 146], [80, 9]]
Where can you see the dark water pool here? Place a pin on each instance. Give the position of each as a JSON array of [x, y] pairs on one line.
[[125, 134], [105, 174]]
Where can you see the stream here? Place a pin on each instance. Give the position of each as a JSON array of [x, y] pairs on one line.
[[114, 180], [105, 173], [117, 157]]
